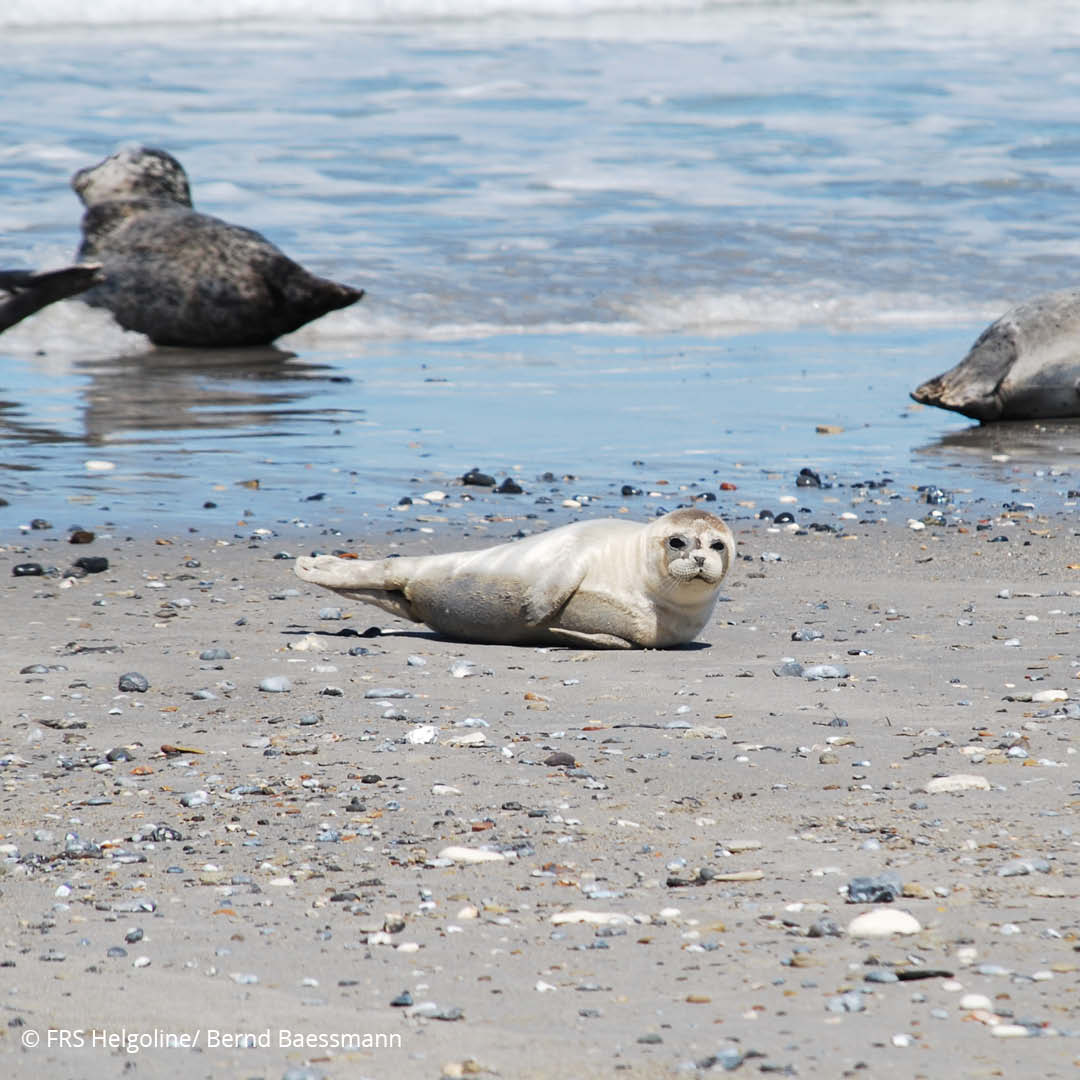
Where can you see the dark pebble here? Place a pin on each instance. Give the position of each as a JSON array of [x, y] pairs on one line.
[[765, 515], [133, 682], [560, 758], [403, 1000], [93, 564], [40, 523], [28, 569], [785, 517], [118, 753], [911, 974], [81, 536], [370, 778], [998, 540], [208, 505], [116, 951], [317, 497], [477, 478], [629, 489], [34, 669], [359, 650], [133, 936], [509, 487], [807, 478]]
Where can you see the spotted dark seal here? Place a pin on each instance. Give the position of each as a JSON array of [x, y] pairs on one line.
[[1024, 366], [185, 278]]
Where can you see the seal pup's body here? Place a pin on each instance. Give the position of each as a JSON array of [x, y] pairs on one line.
[[185, 278], [1024, 366], [607, 583]]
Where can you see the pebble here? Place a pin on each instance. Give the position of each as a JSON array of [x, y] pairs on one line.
[[883, 922], [591, 918], [1020, 867], [27, 569], [389, 692], [956, 782], [825, 671], [92, 564], [133, 682], [471, 855], [420, 736], [275, 684], [330, 614], [883, 889], [215, 654]]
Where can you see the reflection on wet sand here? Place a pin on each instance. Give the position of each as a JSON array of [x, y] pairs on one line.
[[1052, 444], [130, 398]]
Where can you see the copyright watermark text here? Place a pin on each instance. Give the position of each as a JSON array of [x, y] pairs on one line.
[[134, 1042]]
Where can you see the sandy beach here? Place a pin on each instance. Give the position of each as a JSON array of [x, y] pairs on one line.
[[204, 878]]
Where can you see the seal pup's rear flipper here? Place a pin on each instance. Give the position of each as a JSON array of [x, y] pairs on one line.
[[358, 579]]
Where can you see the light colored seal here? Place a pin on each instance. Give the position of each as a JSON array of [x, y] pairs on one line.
[[22, 292], [605, 583], [1025, 366], [184, 278]]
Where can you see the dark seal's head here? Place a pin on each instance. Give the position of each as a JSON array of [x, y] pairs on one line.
[[134, 173]]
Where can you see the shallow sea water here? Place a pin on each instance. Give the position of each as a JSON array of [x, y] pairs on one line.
[[631, 246]]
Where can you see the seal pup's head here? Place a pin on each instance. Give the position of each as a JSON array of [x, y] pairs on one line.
[[134, 173], [690, 552]]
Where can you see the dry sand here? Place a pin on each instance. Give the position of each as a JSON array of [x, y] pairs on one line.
[[307, 892]]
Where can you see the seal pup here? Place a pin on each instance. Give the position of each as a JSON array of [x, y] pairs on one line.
[[607, 583], [185, 278], [22, 292], [1024, 366]]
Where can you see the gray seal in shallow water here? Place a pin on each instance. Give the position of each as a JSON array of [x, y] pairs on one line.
[[1024, 366], [185, 278], [605, 583]]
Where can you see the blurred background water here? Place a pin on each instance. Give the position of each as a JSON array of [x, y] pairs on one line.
[[632, 242]]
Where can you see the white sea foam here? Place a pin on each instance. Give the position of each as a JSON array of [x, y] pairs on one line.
[[32, 13]]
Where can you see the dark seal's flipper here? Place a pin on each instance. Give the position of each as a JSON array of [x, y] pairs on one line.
[[22, 292]]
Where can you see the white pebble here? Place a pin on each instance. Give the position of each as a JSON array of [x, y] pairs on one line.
[[883, 922], [471, 855], [956, 782], [592, 918], [419, 736]]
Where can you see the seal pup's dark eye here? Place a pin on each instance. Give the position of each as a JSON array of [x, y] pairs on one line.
[[676, 543], [717, 545]]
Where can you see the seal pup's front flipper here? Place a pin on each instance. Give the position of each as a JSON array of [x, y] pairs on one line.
[[594, 641]]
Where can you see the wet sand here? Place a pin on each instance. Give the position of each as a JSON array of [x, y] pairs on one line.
[[713, 813]]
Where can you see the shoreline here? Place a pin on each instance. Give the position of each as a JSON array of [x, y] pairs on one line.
[[710, 817]]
